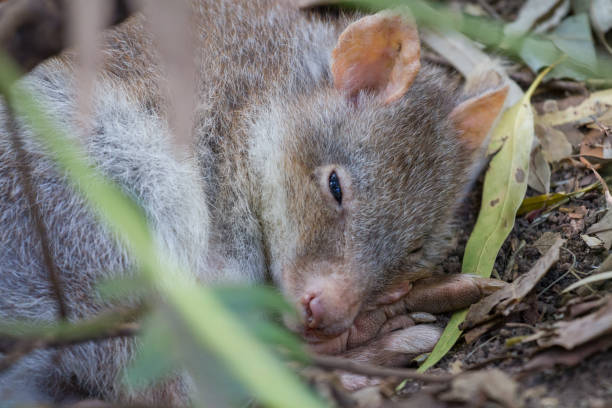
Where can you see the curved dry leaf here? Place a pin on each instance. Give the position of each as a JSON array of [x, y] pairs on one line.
[[596, 105], [593, 278], [603, 229], [539, 172], [555, 146], [570, 334], [503, 301]]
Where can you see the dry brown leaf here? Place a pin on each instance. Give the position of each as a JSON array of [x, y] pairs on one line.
[[555, 146], [597, 104], [545, 241], [558, 355], [539, 172], [487, 385], [596, 144], [592, 242], [474, 334], [603, 230], [569, 334], [578, 213], [503, 301]]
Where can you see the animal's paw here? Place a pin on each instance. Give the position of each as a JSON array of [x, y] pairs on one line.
[[394, 349], [391, 334]]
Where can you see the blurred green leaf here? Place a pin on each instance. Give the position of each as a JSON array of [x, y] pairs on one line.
[[573, 37], [210, 324], [580, 6], [256, 296], [156, 357]]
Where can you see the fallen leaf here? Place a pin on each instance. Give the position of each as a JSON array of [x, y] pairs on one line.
[[557, 355], [569, 334], [578, 306], [578, 213], [539, 172], [475, 333], [603, 229], [595, 106], [592, 242], [580, 6], [504, 300], [590, 279], [573, 37], [549, 200], [596, 144], [540, 202], [601, 17], [546, 241], [555, 146], [487, 385], [504, 188]]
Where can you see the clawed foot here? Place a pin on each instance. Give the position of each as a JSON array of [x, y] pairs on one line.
[[392, 334]]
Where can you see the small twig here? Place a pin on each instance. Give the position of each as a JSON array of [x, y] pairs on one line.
[[25, 172], [25, 347], [339, 363], [604, 185], [475, 349], [107, 326]]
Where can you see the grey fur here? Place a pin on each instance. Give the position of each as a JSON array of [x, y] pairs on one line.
[[244, 201]]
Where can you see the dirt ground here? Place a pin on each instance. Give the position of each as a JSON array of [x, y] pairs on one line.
[[589, 384]]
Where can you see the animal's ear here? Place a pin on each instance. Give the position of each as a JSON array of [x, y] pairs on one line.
[[475, 116], [381, 53]]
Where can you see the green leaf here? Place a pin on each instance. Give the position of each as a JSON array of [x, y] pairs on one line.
[[573, 37], [248, 297], [580, 6], [503, 191], [155, 358], [210, 324]]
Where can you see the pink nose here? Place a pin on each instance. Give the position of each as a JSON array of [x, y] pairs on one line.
[[314, 311]]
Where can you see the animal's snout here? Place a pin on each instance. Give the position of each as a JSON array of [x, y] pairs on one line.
[[328, 307], [314, 311]]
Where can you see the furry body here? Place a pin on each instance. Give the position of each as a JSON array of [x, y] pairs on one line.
[[244, 205]]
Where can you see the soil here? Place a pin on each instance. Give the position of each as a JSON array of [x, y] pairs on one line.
[[589, 384]]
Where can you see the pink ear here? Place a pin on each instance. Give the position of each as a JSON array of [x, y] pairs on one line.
[[380, 53], [475, 116]]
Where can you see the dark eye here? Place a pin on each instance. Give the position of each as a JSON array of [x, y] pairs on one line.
[[334, 187]]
